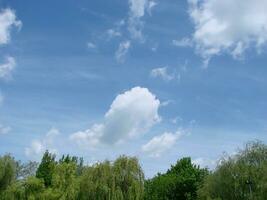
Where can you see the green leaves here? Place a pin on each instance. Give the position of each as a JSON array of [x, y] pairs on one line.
[[64, 180], [239, 177], [124, 179], [180, 182], [46, 167], [7, 171]]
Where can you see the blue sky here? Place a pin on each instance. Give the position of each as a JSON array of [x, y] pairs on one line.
[[155, 79]]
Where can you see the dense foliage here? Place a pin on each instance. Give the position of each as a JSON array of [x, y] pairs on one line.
[[69, 179], [238, 177], [180, 182]]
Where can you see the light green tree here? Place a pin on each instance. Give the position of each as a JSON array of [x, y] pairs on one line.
[[65, 181], [7, 172], [239, 177]]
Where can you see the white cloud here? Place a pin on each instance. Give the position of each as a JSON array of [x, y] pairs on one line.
[[166, 103], [138, 8], [113, 33], [228, 26], [205, 162], [7, 68], [159, 144], [122, 50], [162, 72], [151, 5], [38, 147], [185, 42], [176, 120], [131, 113], [4, 129], [91, 45], [7, 21], [89, 138]]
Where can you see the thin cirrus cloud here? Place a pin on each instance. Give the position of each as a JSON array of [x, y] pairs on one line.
[[162, 72], [5, 73], [130, 115], [166, 103], [7, 22], [37, 147], [134, 25], [91, 45], [138, 9], [184, 42], [160, 144], [4, 129], [113, 33], [7, 67], [229, 26], [122, 51]]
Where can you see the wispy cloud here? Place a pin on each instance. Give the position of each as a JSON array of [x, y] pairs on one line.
[[7, 21], [113, 33], [122, 50], [7, 67], [4, 129], [138, 8], [151, 5], [166, 103], [133, 24], [184, 42], [176, 120], [162, 72], [91, 45]]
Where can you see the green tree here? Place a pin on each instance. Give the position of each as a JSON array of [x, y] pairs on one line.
[[7, 171], [181, 182], [46, 168], [97, 181], [129, 177], [64, 180], [239, 177], [15, 191], [73, 159], [121, 180], [34, 188]]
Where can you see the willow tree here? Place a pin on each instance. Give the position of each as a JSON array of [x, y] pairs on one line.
[[97, 182], [129, 177], [65, 181], [120, 180], [239, 177], [7, 172]]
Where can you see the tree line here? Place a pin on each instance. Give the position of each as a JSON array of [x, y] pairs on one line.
[[237, 177]]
